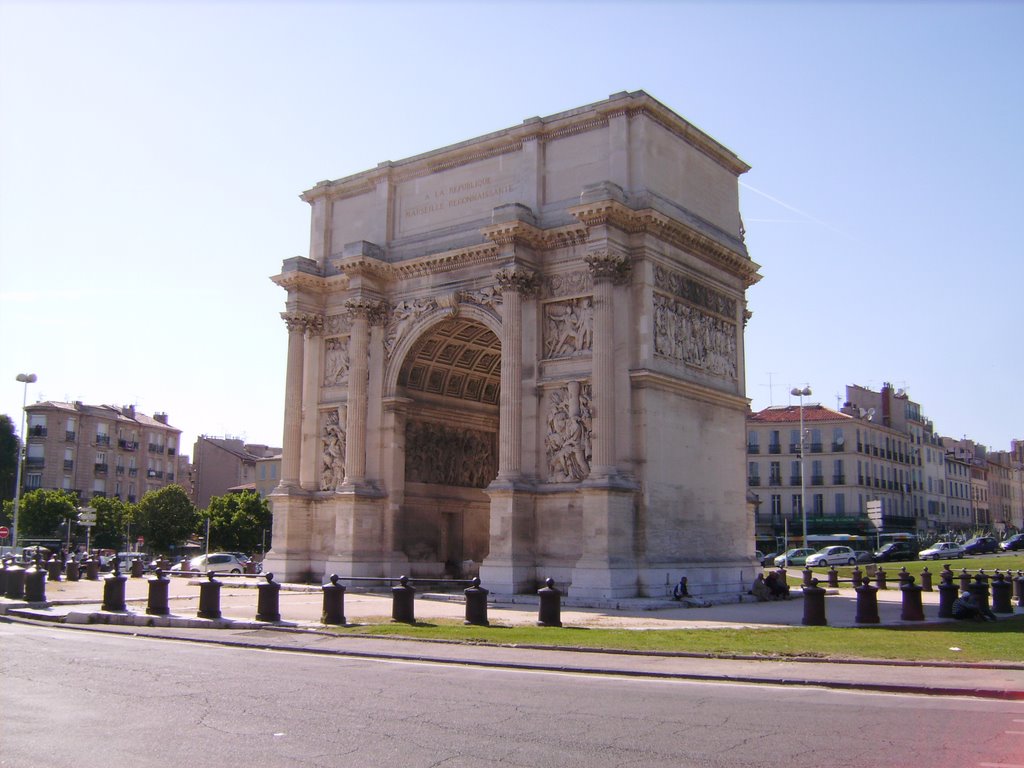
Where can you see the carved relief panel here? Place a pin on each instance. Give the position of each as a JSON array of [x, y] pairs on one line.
[[445, 455], [568, 327], [332, 464], [336, 361], [694, 325], [567, 445]]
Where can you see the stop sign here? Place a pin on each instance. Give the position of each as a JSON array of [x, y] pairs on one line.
[[4, 531]]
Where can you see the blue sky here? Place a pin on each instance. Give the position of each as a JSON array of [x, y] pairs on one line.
[[152, 154]]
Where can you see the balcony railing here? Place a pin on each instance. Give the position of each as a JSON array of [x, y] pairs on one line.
[[99, 494], [837, 447], [35, 462], [154, 448], [133, 471], [128, 445], [100, 467], [775, 481], [69, 464], [815, 447], [794, 479], [817, 479], [102, 439], [753, 481], [751, 448], [119, 470], [171, 451], [170, 476], [37, 431], [69, 436], [838, 479], [775, 448]]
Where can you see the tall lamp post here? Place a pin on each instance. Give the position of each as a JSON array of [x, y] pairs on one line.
[[26, 379], [802, 393]]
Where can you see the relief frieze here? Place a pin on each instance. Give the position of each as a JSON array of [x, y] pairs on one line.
[[336, 362], [332, 464], [685, 334], [567, 445], [694, 292], [569, 284], [446, 455]]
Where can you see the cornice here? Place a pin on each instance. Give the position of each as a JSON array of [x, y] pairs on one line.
[[307, 283], [671, 231], [647, 378]]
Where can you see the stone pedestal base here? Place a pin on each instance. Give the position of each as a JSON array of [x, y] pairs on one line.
[[607, 567], [509, 567]]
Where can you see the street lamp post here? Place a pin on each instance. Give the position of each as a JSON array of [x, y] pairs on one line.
[[26, 379], [802, 393]]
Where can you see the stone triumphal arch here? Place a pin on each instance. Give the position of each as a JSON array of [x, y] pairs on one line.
[[522, 356]]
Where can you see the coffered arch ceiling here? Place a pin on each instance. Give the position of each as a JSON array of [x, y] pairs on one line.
[[457, 358]]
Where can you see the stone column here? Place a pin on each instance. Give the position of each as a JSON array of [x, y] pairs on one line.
[[309, 451], [292, 439], [606, 269], [513, 282], [358, 375]]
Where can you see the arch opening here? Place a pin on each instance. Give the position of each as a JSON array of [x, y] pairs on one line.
[[452, 377]]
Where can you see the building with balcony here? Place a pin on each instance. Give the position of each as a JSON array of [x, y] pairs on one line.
[[99, 450]]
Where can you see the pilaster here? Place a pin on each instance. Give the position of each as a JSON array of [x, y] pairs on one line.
[[309, 462]]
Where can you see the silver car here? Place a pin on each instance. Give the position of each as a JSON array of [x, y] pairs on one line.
[[835, 555]]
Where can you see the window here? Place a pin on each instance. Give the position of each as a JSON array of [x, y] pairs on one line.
[[34, 480], [819, 505], [816, 441], [796, 504], [263, 471], [776, 505], [753, 476], [273, 471], [837, 439], [794, 441], [841, 504], [752, 442], [794, 473], [838, 474], [774, 444], [775, 473], [817, 475]]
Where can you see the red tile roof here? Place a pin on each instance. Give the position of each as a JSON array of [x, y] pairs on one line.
[[787, 413]]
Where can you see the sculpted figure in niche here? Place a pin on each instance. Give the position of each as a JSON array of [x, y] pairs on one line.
[[335, 362], [568, 327], [568, 442], [332, 472]]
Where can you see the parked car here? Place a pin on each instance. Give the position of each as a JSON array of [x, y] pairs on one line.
[[863, 556], [943, 550], [229, 562], [835, 555], [895, 550], [769, 560], [1013, 543], [793, 557], [759, 555], [981, 545]]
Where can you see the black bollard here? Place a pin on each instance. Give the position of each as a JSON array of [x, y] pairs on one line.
[[550, 613], [158, 592], [965, 580], [3, 577], [209, 598], [35, 583], [833, 577], [15, 582], [880, 577], [855, 576], [980, 589], [912, 610], [334, 602], [926, 580], [814, 605], [403, 602], [53, 568], [136, 568], [948, 593], [903, 576], [808, 574], [476, 604], [867, 604], [1018, 588], [71, 571], [268, 601], [113, 590], [1001, 594], [92, 569]]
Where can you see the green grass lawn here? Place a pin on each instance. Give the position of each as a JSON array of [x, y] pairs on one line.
[[960, 641]]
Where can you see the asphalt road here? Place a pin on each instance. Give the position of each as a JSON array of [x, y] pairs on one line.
[[73, 698]]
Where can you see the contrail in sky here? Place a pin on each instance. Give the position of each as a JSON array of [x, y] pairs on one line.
[[795, 210]]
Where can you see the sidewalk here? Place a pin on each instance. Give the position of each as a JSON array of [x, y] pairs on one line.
[[79, 604]]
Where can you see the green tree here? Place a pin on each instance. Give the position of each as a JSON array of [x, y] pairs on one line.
[[237, 521], [10, 449], [42, 511], [113, 518], [166, 517]]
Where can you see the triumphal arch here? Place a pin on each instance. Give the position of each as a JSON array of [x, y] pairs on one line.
[[521, 356]]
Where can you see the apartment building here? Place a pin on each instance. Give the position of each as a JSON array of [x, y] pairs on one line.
[[849, 459], [223, 464], [99, 450]]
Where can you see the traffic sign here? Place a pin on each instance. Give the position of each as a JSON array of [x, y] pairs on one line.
[[87, 516], [141, 540], [4, 531]]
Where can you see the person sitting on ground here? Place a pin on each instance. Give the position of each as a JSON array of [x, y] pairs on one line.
[[967, 607], [760, 589], [680, 590], [777, 585]]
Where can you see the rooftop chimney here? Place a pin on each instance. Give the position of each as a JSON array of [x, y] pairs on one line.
[[161, 417]]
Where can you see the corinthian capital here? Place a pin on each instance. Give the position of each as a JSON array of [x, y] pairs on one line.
[[375, 312], [517, 279], [607, 265], [303, 322]]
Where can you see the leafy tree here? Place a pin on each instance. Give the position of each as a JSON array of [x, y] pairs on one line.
[[166, 517], [7, 513], [113, 518], [10, 450], [42, 511], [237, 521]]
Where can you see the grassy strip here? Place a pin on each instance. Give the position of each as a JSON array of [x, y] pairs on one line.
[[992, 641]]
